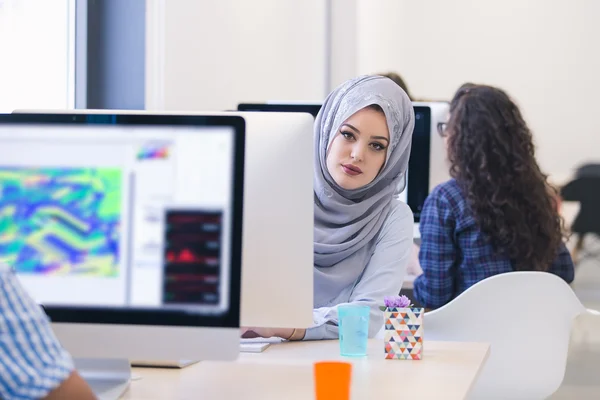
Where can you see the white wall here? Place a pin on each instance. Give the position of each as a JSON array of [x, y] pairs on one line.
[[545, 53], [343, 41], [219, 53], [36, 69]]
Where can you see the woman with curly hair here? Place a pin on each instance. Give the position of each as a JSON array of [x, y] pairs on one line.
[[498, 214]]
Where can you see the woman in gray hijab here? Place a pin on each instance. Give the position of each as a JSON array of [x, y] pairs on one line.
[[363, 233]]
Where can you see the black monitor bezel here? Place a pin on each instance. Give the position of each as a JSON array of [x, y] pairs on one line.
[[137, 316], [419, 188], [312, 109]]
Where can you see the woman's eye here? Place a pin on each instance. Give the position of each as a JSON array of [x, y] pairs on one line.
[[377, 146], [347, 135]]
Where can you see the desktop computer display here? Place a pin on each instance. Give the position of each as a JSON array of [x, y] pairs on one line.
[[312, 109], [277, 288], [421, 165], [417, 184], [127, 229], [277, 273]]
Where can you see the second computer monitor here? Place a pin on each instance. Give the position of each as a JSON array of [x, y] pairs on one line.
[[312, 108], [277, 275], [127, 228], [425, 151]]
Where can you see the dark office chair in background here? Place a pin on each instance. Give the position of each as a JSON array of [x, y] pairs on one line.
[[585, 189]]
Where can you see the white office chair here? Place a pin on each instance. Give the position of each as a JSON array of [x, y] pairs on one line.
[[526, 317]]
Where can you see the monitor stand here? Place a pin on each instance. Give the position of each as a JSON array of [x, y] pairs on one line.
[[108, 377], [163, 363]]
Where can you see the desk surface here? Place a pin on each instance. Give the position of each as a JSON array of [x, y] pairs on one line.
[[285, 371]]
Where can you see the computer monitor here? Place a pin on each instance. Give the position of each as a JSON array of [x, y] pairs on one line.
[[422, 166], [417, 185], [277, 273], [438, 161], [127, 229], [311, 108], [277, 285]]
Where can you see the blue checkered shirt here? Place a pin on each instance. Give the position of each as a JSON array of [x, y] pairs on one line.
[[32, 361], [455, 254]]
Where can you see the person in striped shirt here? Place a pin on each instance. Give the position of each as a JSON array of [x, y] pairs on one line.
[[33, 364]]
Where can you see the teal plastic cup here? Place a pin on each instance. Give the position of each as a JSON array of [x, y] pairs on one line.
[[353, 329]]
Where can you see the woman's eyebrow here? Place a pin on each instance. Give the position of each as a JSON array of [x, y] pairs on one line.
[[351, 127], [381, 138]]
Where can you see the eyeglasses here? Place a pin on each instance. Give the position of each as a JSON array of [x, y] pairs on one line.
[[441, 127]]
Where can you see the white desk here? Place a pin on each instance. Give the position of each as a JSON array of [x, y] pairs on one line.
[[285, 371]]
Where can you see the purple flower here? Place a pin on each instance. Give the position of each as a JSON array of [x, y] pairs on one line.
[[396, 301]]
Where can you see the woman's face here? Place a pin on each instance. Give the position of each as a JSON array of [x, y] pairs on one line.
[[358, 150]]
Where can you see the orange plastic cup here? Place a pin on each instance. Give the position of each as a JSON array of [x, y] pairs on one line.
[[332, 380]]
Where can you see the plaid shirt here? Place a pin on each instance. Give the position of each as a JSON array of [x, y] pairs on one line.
[[32, 361], [455, 254]]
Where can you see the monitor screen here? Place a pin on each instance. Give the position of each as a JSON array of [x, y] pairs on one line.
[[417, 186], [120, 216]]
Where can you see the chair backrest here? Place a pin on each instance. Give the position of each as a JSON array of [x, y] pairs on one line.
[[586, 170], [526, 317]]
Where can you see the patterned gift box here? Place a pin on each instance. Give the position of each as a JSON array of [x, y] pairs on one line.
[[403, 338]]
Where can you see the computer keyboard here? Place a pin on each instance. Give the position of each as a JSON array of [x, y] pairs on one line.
[[257, 345]]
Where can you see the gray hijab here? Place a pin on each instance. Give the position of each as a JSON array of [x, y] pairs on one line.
[[348, 220]]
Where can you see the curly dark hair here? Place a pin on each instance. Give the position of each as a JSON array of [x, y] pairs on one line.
[[492, 157]]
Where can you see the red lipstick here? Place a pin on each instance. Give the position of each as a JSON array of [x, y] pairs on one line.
[[352, 170]]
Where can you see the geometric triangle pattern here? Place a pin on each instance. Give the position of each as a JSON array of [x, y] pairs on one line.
[[403, 338]]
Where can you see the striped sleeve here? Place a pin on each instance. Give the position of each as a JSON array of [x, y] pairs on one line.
[[32, 361]]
